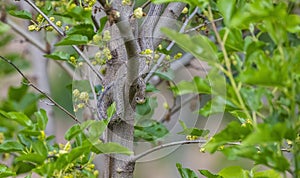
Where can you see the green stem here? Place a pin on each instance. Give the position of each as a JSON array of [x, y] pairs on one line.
[[228, 65]]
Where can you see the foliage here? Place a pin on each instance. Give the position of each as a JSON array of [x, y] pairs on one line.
[[254, 56], [257, 55]]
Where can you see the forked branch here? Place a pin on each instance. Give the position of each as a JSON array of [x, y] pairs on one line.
[[29, 83]]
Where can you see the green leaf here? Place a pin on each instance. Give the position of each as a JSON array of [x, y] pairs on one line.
[[260, 70], [185, 172], [111, 147], [200, 46], [21, 14], [293, 23], [150, 131], [234, 40], [266, 133], [21, 118], [166, 75], [227, 9], [82, 29], [234, 172], [194, 132], [96, 129], [40, 148], [103, 21], [208, 174], [17, 93], [42, 119], [10, 146], [197, 85], [111, 110], [216, 105], [73, 40], [233, 132], [267, 174], [151, 88], [58, 55], [75, 153], [5, 171], [72, 132], [31, 157], [146, 110]]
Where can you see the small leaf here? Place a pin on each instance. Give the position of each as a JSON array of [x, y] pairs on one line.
[[208, 174], [96, 129], [5, 171], [103, 21], [72, 132], [40, 148], [21, 14], [168, 75], [194, 132], [150, 131], [58, 55], [31, 157], [82, 29], [111, 147], [10, 146], [233, 132], [197, 85], [200, 46], [111, 110], [234, 172], [267, 174], [185, 172], [21, 118], [227, 9], [42, 119], [73, 40]]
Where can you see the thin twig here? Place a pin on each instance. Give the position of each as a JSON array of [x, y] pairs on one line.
[[62, 33], [176, 109], [29, 83], [203, 25], [184, 142], [162, 57], [38, 45]]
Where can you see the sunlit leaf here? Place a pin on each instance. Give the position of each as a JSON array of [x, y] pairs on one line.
[[73, 40], [21, 14], [186, 172]]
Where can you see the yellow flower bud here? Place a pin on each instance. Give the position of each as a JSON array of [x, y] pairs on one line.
[[106, 35], [52, 19], [185, 10], [59, 23], [178, 55], [138, 13], [76, 93], [1, 137], [166, 105], [84, 96], [31, 27]]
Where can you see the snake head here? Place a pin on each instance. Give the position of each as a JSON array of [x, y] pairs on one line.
[[140, 99]]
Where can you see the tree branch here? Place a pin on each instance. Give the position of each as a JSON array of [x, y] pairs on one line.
[[203, 25], [171, 12], [162, 57], [184, 142], [38, 45], [62, 33], [29, 83], [176, 109]]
